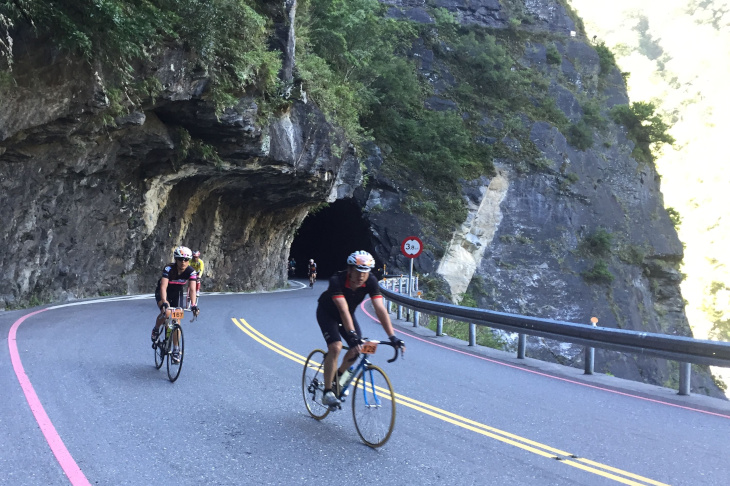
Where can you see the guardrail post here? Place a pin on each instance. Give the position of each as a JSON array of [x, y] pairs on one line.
[[590, 354], [416, 318], [521, 345], [684, 377], [400, 291], [439, 326], [472, 334]]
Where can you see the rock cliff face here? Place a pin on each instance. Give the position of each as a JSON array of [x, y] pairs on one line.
[[529, 244], [91, 204]]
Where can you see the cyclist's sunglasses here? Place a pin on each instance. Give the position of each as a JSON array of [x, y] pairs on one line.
[[182, 259]]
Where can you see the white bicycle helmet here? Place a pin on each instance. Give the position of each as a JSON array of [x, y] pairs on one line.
[[362, 260], [182, 252]]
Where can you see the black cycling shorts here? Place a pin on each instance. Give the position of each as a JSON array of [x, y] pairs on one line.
[[332, 328], [171, 298]]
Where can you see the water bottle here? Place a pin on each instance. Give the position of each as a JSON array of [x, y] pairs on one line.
[[346, 376]]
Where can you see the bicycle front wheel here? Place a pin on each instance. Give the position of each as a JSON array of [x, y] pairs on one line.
[[173, 369], [313, 384], [373, 406], [160, 350]]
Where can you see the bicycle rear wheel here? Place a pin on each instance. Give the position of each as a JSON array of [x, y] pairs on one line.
[[173, 369], [373, 406], [160, 349], [313, 384]]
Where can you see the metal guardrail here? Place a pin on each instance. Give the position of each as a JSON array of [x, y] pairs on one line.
[[685, 350]]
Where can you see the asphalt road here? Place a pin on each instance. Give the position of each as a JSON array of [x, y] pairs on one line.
[[236, 414]]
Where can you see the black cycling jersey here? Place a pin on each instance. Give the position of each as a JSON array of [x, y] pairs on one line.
[[339, 285], [176, 283], [312, 268]]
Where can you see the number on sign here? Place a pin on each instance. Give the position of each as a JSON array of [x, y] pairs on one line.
[[369, 347]]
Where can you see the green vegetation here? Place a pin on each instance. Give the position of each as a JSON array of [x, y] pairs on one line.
[[227, 38], [580, 135], [553, 56], [598, 243], [646, 128], [599, 273], [632, 254], [675, 217], [352, 63], [605, 57], [460, 330]]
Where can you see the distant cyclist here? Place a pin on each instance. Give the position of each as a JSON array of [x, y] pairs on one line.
[[312, 272], [198, 266], [292, 267], [336, 316], [170, 290]]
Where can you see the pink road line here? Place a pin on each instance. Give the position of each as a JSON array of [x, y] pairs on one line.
[[69, 466], [411, 336]]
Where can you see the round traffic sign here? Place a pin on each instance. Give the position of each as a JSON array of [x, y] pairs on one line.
[[411, 247]]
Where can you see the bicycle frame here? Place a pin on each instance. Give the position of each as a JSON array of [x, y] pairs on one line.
[[361, 368]]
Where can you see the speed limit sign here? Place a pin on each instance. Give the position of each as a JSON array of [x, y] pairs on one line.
[[411, 247]]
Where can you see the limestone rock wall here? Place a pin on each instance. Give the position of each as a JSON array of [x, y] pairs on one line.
[[524, 245], [95, 205]]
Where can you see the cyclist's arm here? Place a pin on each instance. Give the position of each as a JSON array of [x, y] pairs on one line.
[[163, 289], [202, 267], [192, 289], [345, 316], [382, 314]]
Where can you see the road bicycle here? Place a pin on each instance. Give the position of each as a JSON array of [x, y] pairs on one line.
[[164, 343], [186, 300], [373, 398]]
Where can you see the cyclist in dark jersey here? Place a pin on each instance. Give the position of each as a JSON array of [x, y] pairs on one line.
[[170, 289], [312, 273], [336, 315]]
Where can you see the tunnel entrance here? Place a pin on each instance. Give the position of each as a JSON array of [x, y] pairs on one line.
[[329, 236]]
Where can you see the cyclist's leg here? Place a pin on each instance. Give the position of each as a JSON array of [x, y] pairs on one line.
[[329, 327], [352, 354], [160, 318]]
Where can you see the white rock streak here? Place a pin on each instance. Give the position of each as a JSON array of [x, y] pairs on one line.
[[475, 235]]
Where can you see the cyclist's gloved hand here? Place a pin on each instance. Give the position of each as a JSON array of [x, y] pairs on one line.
[[399, 343], [164, 306], [353, 340]]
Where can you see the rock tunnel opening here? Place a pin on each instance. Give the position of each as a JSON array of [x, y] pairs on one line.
[[328, 236]]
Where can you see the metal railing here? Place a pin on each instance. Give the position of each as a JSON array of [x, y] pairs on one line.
[[684, 350]]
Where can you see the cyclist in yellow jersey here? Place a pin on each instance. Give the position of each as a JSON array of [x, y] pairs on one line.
[[198, 266]]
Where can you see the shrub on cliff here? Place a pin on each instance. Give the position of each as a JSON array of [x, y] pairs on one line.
[[645, 128]]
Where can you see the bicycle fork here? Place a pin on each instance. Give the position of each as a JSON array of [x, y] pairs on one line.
[[372, 400]]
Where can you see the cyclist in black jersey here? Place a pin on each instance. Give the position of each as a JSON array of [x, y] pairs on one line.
[[312, 272], [336, 315], [170, 289]]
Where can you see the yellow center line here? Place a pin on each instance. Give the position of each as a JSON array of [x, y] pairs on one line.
[[529, 445]]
